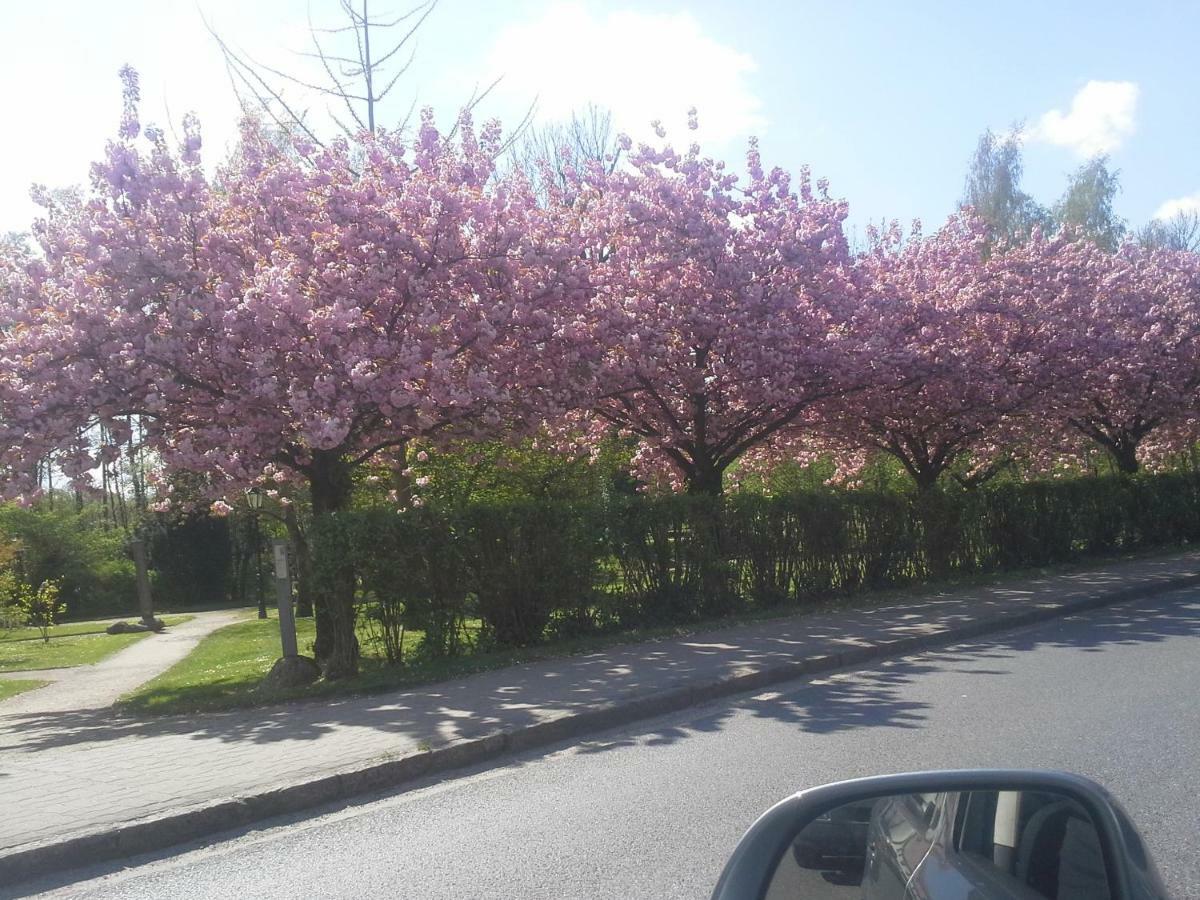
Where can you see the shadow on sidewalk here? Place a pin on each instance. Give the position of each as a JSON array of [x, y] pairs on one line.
[[527, 694], [873, 698]]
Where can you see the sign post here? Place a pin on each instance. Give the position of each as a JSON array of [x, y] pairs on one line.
[[283, 589]]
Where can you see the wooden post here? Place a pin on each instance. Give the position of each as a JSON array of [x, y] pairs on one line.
[[283, 588]]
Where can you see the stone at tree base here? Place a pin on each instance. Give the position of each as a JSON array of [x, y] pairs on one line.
[[153, 624], [292, 671]]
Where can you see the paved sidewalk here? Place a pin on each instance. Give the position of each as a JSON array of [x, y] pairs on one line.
[[86, 771], [99, 685]]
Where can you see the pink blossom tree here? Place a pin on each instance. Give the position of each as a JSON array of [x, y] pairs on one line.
[[966, 350], [304, 312], [1139, 327], [722, 306]]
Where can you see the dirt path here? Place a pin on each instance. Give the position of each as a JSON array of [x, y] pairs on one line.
[[100, 684]]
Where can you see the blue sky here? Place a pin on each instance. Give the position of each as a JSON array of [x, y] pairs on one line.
[[885, 99]]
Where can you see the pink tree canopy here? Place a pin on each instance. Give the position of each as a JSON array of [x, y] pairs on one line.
[[723, 307], [965, 347], [1138, 328], [304, 311]]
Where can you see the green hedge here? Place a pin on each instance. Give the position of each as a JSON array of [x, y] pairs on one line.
[[523, 571]]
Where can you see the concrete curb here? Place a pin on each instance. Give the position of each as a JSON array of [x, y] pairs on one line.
[[160, 832]]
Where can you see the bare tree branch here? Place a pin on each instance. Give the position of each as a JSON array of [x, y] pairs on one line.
[[252, 79], [249, 77]]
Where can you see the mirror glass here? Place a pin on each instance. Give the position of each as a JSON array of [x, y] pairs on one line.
[[947, 846]]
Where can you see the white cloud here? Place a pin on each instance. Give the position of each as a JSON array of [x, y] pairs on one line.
[[1189, 204], [642, 66], [1100, 119]]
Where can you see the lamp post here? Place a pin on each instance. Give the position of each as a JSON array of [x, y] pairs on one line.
[[254, 500], [141, 567]]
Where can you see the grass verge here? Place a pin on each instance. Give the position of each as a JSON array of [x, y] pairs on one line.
[[77, 648], [10, 687]]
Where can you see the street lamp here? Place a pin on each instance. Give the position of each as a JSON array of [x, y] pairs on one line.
[[254, 500]]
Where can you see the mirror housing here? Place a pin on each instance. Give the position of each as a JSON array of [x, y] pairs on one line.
[[747, 875]]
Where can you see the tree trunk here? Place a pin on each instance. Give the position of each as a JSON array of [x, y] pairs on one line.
[[1124, 456], [336, 645], [926, 481], [706, 481], [708, 536]]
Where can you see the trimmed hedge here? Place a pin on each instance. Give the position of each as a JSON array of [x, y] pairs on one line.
[[533, 570]]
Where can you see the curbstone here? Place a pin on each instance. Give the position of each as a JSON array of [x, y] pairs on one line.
[[160, 832]]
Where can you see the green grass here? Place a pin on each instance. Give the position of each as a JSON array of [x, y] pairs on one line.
[[78, 648], [95, 626], [10, 687], [226, 668]]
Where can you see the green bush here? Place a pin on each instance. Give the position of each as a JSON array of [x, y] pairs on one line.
[[525, 560], [42, 607], [73, 547], [671, 552], [534, 569], [411, 577]]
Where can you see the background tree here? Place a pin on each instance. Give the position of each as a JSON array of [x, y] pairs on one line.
[[963, 348], [549, 155], [354, 76], [993, 189], [1086, 206], [1138, 327], [1179, 232]]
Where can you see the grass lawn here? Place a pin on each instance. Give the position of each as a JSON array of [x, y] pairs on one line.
[[21, 651], [96, 626], [225, 668], [10, 687]]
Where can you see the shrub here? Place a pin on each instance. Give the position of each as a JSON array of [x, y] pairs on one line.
[[526, 559], [533, 569], [89, 561], [42, 607], [411, 577]]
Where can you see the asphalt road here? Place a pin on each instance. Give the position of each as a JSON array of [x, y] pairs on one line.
[[653, 811]]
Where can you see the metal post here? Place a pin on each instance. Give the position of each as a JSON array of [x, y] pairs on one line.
[[283, 588], [145, 603]]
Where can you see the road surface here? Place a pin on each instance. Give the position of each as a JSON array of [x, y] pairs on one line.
[[652, 811]]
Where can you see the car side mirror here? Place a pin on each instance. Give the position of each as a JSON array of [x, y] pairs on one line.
[[944, 836]]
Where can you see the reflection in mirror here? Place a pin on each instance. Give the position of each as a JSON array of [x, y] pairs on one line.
[[1025, 845]]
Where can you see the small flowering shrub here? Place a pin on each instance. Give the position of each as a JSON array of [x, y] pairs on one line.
[[42, 607]]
